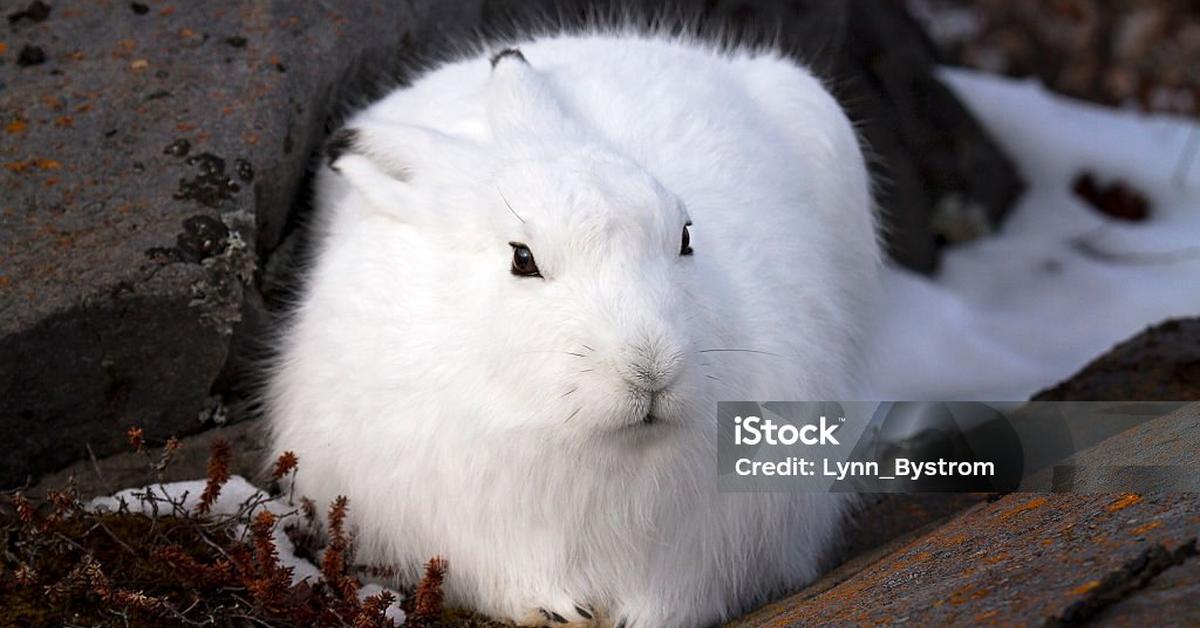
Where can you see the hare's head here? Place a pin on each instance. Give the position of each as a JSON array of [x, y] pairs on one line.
[[552, 277]]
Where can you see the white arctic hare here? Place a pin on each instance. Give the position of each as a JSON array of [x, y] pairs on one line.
[[537, 274]]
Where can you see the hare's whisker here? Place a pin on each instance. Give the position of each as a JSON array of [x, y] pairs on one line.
[[739, 351]]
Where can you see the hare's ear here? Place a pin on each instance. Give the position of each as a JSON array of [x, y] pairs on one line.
[[522, 103], [389, 164]]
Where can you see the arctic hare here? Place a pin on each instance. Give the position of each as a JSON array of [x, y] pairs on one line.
[[538, 271]]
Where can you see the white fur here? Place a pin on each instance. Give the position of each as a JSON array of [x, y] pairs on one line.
[[488, 418]]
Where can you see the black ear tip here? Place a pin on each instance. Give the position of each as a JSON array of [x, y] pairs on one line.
[[339, 143], [508, 52]]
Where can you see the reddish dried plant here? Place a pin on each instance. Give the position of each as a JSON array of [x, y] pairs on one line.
[[218, 474], [373, 613], [135, 436], [194, 572], [90, 577], [25, 510], [25, 575], [63, 501], [285, 464], [124, 598], [168, 454], [333, 562], [271, 583], [427, 599], [201, 558], [337, 516], [309, 508], [262, 530]]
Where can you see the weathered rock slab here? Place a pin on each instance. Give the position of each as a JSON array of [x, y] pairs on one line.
[[1019, 560], [150, 159], [1160, 364], [1056, 559]]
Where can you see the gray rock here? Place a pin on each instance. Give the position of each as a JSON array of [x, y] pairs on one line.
[[155, 165], [941, 177], [128, 262]]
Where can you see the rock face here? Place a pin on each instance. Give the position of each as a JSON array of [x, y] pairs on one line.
[[1113, 52], [1024, 559], [1054, 559], [1160, 364], [154, 159], [151, 155], [940, 177]]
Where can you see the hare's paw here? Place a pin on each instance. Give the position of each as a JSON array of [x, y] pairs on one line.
[[652, 615], [574, 616]]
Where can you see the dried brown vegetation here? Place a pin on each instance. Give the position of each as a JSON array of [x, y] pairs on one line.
[[218, 473], [427, 599], [66, 564]]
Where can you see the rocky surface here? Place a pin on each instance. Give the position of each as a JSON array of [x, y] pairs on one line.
[[154, 156], [1023, 559], [940, 178], [1056, 559], [128, 469], [1143, 53], [151, 154], [1160, 364]]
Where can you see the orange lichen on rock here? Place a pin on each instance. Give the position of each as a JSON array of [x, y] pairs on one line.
[[1086, 587], [982, 617], [998, 557], [1124, 502], [1142, 529], [1032, 504], [39, 163], [968, 593]]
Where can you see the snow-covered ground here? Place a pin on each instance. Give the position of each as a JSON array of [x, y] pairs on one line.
[[1022, 309]]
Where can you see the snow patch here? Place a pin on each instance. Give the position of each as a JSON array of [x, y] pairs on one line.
[[1018, 311]]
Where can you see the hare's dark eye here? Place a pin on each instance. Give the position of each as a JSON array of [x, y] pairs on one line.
[[685, 246], [523, 264]]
